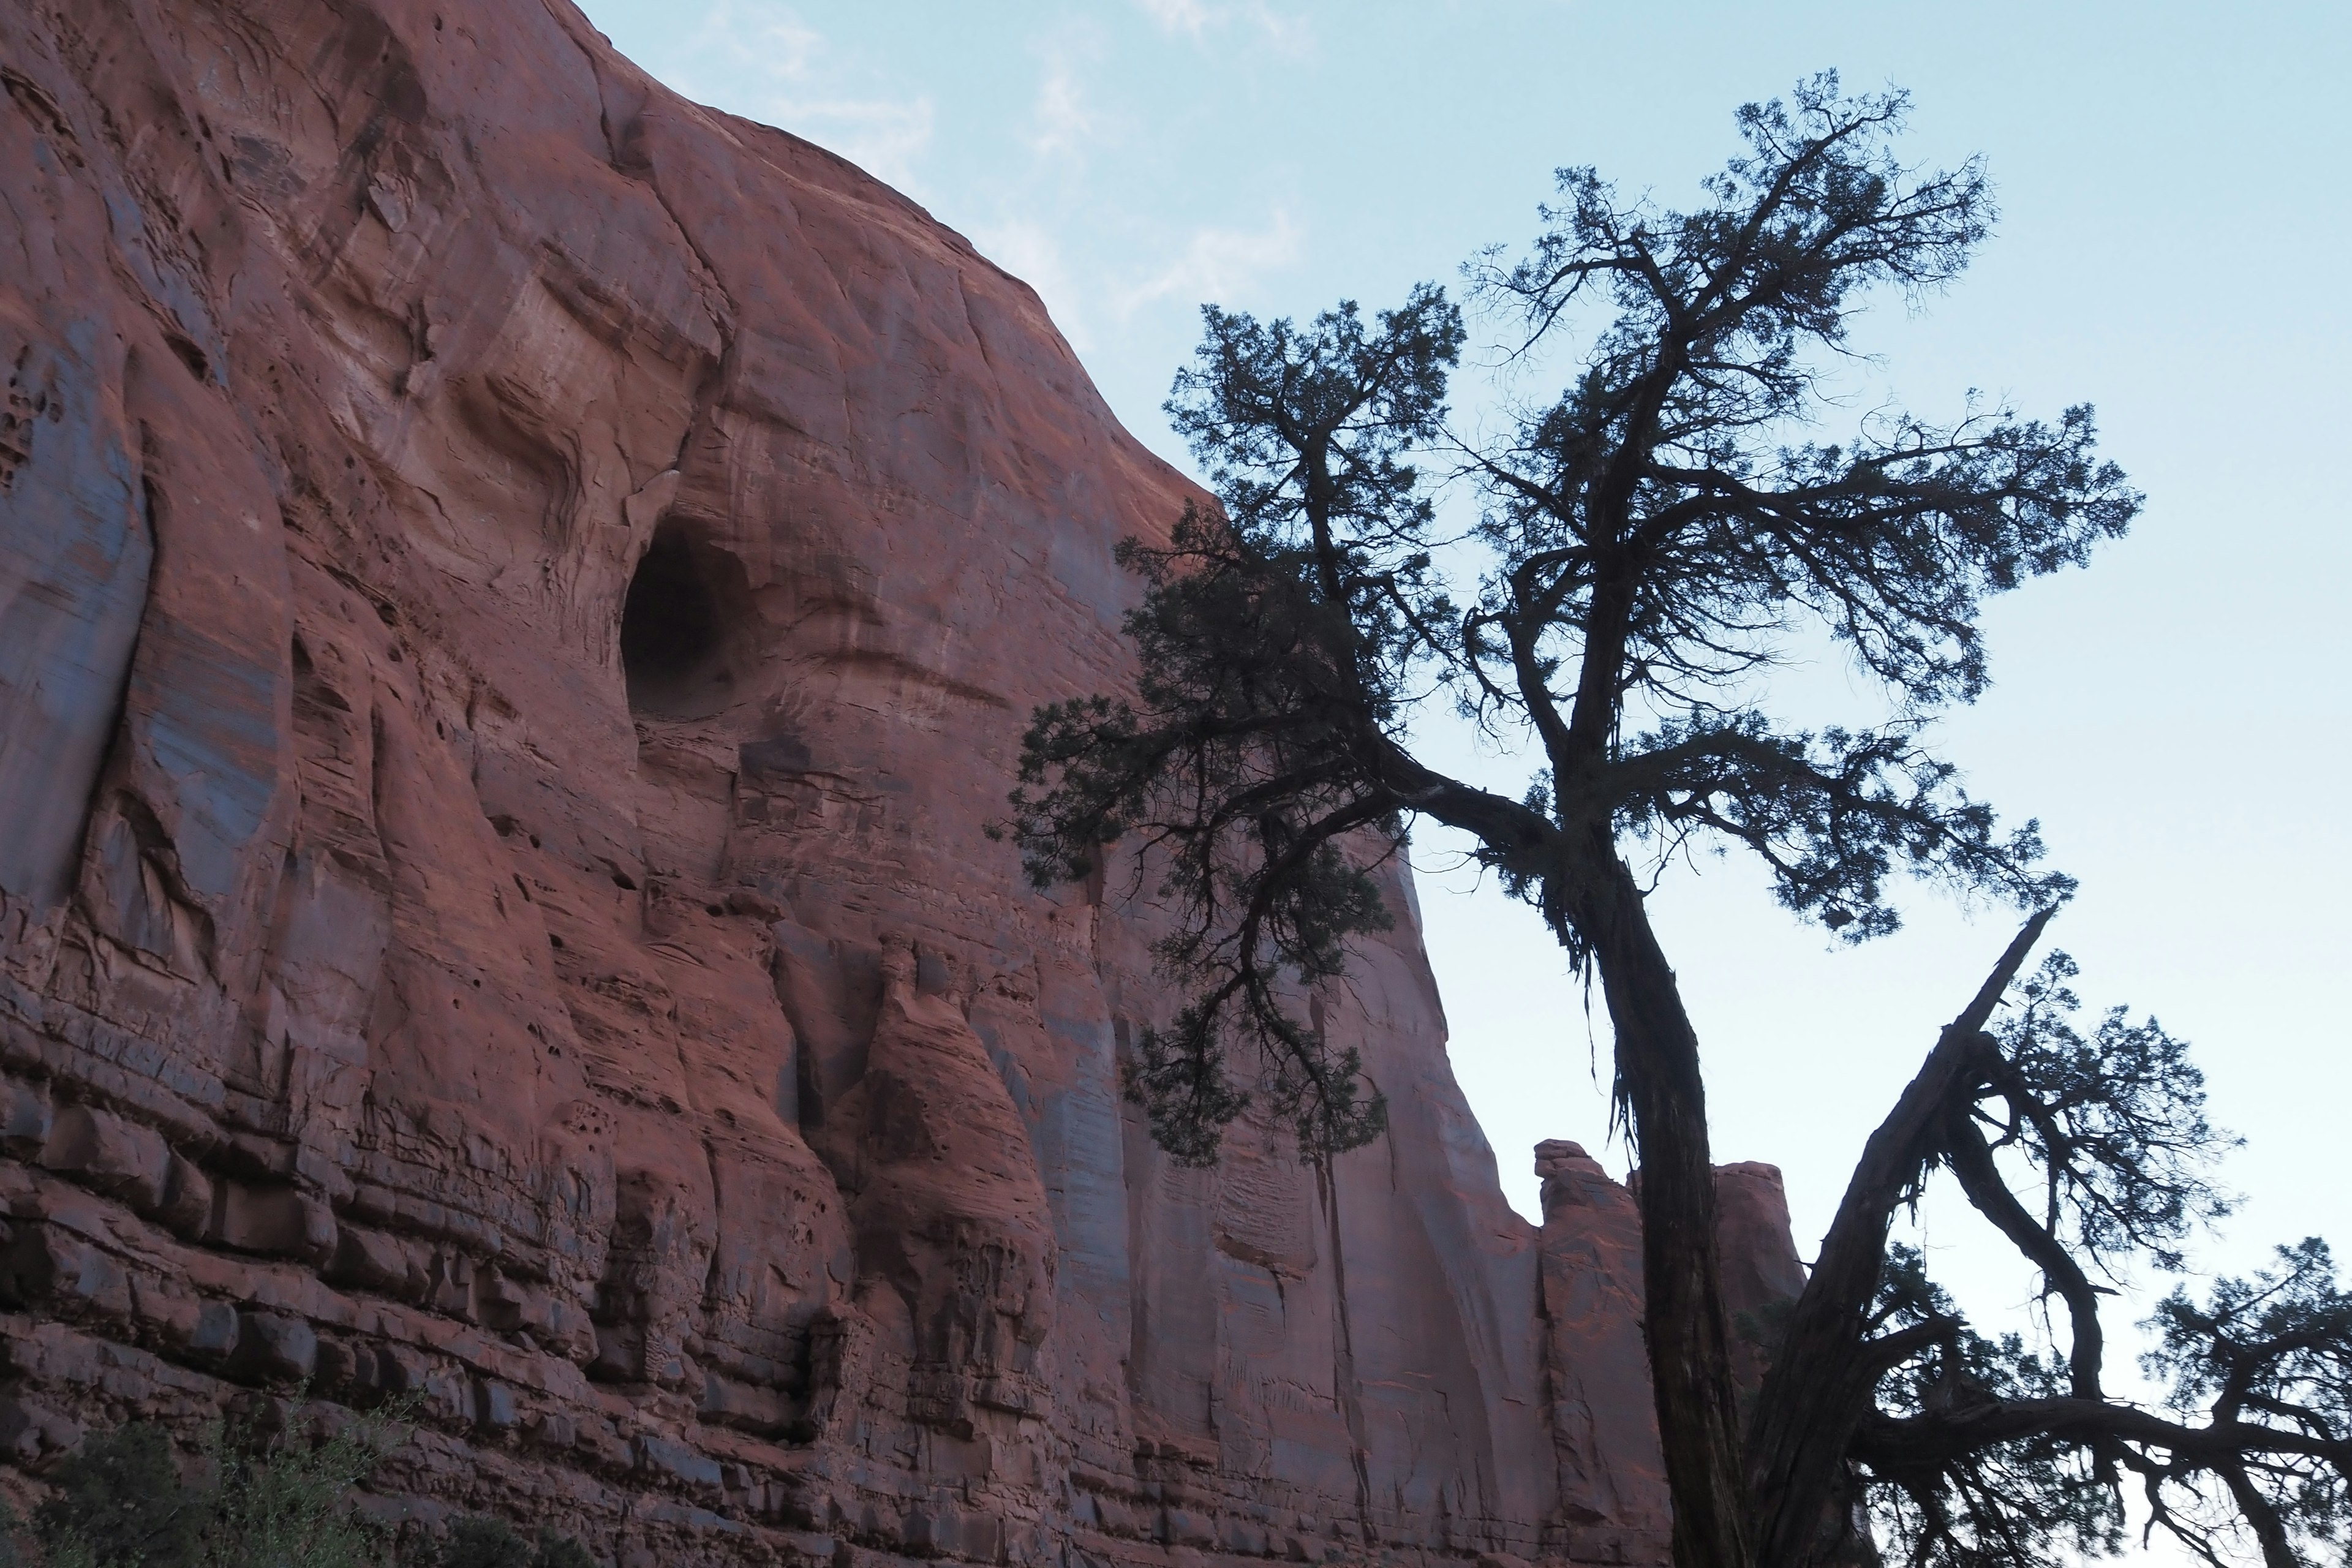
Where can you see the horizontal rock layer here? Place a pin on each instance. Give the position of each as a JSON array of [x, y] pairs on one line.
[[517, 599]]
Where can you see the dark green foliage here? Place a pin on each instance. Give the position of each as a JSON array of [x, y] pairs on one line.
[[119, 1499], [2031, 1500], [1275, 641], [285, 1500], [489, 1542], [2110, 1130], [247, 1499], [2274, 1354], [1985, 1453], [481, 1542], [2113, 1123], [2089, 1150], [563, 1552], [1658, 538]]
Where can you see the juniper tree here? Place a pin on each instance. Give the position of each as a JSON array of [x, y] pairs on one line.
[[1651, 542]]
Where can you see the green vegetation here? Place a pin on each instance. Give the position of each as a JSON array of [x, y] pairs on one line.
[[249, 1500], [485, 1542]]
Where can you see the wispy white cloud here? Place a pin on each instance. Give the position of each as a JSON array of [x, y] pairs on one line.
[[884, 137], [1218, 263], [1064, 121], [759, 58], [771, 37], [1287, 32], [1177, 15]]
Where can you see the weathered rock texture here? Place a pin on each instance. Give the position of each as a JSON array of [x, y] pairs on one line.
[[517, 598]]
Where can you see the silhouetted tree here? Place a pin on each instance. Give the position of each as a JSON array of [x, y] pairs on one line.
[[1653, 541]]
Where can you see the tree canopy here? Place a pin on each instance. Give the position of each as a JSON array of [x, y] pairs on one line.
[[1652, 545]]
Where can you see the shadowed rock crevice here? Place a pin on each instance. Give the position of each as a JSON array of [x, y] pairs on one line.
[[685, 627]]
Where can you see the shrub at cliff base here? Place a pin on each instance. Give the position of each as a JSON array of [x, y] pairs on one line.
[[493, 1543], [251, 1502]]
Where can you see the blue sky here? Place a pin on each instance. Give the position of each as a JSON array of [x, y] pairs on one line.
[[2172, 248]]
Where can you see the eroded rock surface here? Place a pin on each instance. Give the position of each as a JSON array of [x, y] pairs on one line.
[[518, 596]]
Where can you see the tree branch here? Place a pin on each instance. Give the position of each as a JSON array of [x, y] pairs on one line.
[[1812, 1398]]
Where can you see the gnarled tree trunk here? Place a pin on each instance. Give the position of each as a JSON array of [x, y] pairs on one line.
[[1689, 1343]]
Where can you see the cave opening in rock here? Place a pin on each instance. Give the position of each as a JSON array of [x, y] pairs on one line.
[[680, 625]]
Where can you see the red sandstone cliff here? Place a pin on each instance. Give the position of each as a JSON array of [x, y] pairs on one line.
[[517, 598]]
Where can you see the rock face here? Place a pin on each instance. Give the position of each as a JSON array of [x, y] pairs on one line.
[[518, 598]]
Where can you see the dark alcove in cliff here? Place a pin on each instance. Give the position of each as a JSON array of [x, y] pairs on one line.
[[681, 628]]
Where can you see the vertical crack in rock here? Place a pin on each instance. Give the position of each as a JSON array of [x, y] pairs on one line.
[[1344, 1378]]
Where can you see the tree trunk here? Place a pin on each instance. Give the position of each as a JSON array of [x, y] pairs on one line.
[[1683, 1316]]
